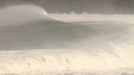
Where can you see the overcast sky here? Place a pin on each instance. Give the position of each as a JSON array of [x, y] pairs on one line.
[[79, 6]]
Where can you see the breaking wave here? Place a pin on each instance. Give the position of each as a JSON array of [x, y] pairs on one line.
[[54, 47]]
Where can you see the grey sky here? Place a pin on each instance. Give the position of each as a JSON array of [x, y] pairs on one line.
[[78, 6]]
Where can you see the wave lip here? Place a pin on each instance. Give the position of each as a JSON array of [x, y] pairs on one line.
[[100, 18]]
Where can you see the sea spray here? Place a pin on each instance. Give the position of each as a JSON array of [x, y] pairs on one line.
[[16, 15]]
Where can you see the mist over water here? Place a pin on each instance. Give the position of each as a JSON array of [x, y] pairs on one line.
[[33, 42]]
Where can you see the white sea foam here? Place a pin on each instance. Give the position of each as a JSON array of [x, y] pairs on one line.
[[117, 57]]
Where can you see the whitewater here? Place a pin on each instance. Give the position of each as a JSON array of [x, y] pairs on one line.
[[34, 42]]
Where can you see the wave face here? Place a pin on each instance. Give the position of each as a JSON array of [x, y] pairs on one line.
[[58, 35], [40, 45]]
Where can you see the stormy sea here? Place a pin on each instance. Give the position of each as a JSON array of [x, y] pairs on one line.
[[34, 42]]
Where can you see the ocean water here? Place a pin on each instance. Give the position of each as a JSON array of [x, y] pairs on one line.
[[34, 42]]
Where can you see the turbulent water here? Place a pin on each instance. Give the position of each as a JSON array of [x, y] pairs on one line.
[[33, 42]]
